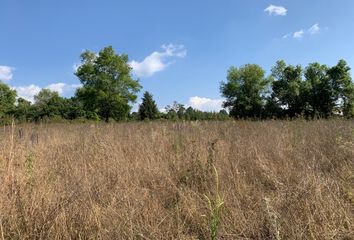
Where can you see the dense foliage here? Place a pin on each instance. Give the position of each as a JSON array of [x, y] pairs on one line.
[[148, 108], [244, 91], [7, 100], [108, 91], [290, 91], [108, 87]]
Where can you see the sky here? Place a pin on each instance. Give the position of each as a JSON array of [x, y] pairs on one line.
[[179, 50]]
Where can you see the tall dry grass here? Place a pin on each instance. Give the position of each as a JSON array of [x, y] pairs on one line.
[[277, 180]]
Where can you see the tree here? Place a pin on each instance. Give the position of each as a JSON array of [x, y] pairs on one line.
[[23, 110], [343, 88], [108, 87], [175, 111], [7, 100], [148, 108], [73, 109], [287, 88], [245, 91], [48, 104], [318, 92]]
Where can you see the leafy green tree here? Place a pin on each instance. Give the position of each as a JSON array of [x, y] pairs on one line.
[[272, 108], [181, 111], [7, 100], [23, 111], [108, 87], [175, 111], [245, 91], [192, 114], [48, 105], [223, 112], [318, 91], [343, 88], [134, 116], [73, 109], [148, 108], [287, 88]]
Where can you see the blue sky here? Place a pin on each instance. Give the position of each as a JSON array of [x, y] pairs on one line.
[[180, 50]]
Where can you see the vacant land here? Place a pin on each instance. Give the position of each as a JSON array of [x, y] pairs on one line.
[[277, 180]]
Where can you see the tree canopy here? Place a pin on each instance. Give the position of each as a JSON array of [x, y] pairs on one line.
[[316, 91], [245, 91], [148, 108], [7, 100], [108, 87]]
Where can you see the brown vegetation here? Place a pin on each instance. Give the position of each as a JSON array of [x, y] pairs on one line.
[[278, 180]]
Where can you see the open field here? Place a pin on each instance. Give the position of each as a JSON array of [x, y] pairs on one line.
[[277, 180]]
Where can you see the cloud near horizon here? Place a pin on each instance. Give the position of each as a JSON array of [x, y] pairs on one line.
[[276, 10], [6, 73], [28, 92], [205, 104], [158, 61]]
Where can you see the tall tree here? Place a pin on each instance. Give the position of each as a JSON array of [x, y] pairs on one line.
[[73, 109], [7, 100], [148, 108], [287, 88], [108, 86], [245, 91], [318, 91], [23, 110], [343, 88], [175, 111], [48, 105]]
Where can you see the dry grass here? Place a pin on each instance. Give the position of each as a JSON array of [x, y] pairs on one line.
[[278, 180]]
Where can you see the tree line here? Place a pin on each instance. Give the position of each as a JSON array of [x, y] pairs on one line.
[[108, 91], [318, 91]]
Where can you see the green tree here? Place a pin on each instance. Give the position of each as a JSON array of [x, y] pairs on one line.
[[175, 111], [287, 88], [48, 105], [343, 88], [134, 116], [148, 108], [73, 109], [272, 108], [245, 91], [318, 91], [7, 100], [108, 87], [23, 110]]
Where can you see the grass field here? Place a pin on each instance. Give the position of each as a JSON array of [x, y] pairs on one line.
[[272, 180]]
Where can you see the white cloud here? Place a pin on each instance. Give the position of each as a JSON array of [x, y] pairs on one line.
[[163, 110], [314, 29], [276, 10], [205, 104], [6, 73], [57, 87], [299, 34], [287, 35], [28, 92], [158, 61], [62, 88]]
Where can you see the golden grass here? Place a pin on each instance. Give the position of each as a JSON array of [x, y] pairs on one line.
[[278, 180]]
